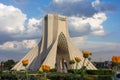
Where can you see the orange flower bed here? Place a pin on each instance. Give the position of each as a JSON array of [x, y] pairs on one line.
[[25, 62]]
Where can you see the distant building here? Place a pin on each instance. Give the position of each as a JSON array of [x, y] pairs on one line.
[[103, 65]]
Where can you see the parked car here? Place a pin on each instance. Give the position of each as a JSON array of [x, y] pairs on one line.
[[117, 76]]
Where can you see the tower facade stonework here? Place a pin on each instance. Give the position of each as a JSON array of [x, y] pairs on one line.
[[55, 48]]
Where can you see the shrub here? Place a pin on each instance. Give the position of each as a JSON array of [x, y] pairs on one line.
[[104, 78], [53, 70], [0, 72], [96, 74], [63, 76], [8, 77], [100, 77], [99, 72]]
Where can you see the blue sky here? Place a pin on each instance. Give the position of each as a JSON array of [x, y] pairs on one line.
[[93, 25]]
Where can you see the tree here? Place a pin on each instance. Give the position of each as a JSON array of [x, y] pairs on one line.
[[9, 64]]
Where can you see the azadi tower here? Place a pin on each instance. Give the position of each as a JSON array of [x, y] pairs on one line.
[[54, 47]]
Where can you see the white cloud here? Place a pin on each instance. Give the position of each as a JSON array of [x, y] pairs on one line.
[[96, 24], [85, 26], [95, 3], [11, 19], [14, 24], [15, 45], [101, 6], [34, 26], [29, 43], [16, 33], [33, 30], [16, 49]]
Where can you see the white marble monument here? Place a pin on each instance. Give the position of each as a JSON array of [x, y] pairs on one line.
[[54, 46]]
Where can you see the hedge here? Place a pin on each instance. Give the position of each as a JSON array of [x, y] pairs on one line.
[[8, 77], [94, 72], [63, 76], [99, 72], [70, 76]]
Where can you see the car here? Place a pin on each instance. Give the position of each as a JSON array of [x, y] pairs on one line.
[[118, 76]]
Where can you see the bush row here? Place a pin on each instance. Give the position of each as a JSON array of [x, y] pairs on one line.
[[63, 76], [8, 77], [53, 75], [99, 72], [94, 72], [70, 76]]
